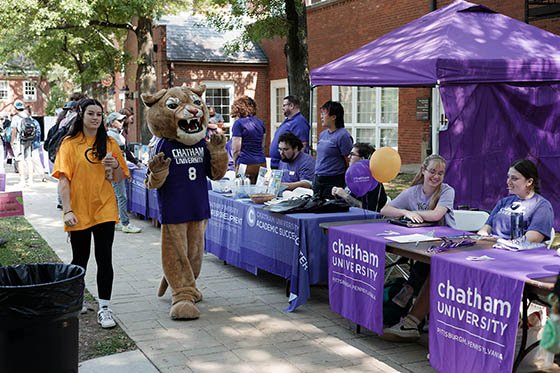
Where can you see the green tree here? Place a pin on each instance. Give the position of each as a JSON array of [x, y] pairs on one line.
[[56, 100], [263, 20], [83, 36]]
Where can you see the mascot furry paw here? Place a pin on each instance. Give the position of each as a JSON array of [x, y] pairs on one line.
[[182, 159]]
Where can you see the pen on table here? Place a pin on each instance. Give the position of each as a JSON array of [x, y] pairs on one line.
[[417, 242]]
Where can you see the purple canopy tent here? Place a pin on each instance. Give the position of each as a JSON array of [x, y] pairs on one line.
[[499, 80]]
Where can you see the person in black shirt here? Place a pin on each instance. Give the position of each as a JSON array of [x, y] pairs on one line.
[[373, 200]]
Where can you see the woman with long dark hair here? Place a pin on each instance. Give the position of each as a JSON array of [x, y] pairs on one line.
[[87, 162], [535, 212]]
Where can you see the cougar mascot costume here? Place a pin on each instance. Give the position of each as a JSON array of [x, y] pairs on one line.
[[182, 159]]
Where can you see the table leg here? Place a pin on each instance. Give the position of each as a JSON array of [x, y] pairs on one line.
[[358, 328], [288, 285], [522, 351]]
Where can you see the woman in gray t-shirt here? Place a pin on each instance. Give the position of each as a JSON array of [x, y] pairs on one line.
[[428, 199]]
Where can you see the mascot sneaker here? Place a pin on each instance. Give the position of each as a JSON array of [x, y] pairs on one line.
[[105, 318], [131, 228]]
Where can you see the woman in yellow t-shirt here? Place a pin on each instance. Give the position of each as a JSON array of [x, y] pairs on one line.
[[87, 162]]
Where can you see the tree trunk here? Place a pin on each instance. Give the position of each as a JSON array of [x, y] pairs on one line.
[[296, 54], [146, 72]]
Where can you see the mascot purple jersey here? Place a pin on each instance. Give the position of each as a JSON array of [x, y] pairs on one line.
[[187, 178]]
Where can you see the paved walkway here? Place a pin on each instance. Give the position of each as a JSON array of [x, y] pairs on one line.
[[242, 327]]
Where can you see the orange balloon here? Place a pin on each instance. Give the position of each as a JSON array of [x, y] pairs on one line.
[[385, 164]]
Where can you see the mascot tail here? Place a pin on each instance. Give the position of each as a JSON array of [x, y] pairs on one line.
[[162, 287]]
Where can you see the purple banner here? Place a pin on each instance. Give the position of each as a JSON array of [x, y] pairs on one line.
[[474, 306], [356, 267]]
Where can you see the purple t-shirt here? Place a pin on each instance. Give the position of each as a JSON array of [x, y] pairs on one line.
[[414, 199], [332, 149], [184, 195], [251, 130], [301, 168], [537, 215], [230, 165], [297, 125]]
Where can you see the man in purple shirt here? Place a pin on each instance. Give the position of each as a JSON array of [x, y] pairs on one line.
[[295, 123], [298, 167]]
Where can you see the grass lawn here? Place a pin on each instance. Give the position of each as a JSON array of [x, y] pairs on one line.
[[394, 187], [26, 246]]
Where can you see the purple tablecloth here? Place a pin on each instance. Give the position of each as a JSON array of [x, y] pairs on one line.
[[356, 260], [292, 246], [474, 306]]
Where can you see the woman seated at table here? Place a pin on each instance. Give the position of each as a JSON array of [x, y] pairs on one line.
[[536, 211], [427, 199], [373, 200]]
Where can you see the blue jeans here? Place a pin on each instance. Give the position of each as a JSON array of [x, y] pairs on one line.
[[120, 193]]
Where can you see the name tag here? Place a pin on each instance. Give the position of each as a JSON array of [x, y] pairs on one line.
[[292, 173]]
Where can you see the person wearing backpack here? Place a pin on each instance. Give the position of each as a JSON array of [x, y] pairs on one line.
[[23, 134]]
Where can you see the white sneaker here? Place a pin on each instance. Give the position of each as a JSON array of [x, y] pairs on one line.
[[131, 228], [118, 227], [105, 318], [84, 308], [405, 331]]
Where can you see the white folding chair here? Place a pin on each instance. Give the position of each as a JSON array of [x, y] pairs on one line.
[[470, 221], [552, 233]]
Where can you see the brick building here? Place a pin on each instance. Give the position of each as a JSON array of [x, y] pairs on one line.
[[186, 53], [380, 116], [29, 88]]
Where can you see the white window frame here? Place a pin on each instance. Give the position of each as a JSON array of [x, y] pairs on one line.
[[29, 97], [354, 125], [229, 85], [274, 85], [7, 83]]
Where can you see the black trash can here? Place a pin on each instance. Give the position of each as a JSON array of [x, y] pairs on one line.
[[39, 307]]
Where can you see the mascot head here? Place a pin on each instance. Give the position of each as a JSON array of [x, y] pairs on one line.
[[177, 113]]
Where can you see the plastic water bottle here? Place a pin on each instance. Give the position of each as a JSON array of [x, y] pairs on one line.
[[516, 229], [108, 169]]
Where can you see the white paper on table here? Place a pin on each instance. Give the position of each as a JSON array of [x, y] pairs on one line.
[[416, 237]]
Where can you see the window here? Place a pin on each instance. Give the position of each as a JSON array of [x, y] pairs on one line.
[[29, 91], [220, 96], [278, 90], [4, 90], [371, 114]]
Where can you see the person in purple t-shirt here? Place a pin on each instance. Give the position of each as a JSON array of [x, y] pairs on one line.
[[427, 199], [247, 137], [298, 167], [333, 149], [295, 123], [536, 211]]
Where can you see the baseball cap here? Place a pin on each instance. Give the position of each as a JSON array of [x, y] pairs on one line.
[[70, 105], [115, 116], [19, 105]]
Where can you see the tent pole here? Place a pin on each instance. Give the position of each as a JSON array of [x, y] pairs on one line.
[[435, 119], [311, 120]]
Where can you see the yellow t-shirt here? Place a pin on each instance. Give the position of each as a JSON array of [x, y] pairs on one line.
[[91, 195]]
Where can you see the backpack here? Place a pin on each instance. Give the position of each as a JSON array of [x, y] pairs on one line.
[[28, 130], [393, 313], [54, 139]]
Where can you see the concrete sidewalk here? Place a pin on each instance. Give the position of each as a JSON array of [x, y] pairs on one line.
[[242, 327]]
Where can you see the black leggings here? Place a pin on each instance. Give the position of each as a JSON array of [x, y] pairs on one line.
[[103, 235]]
